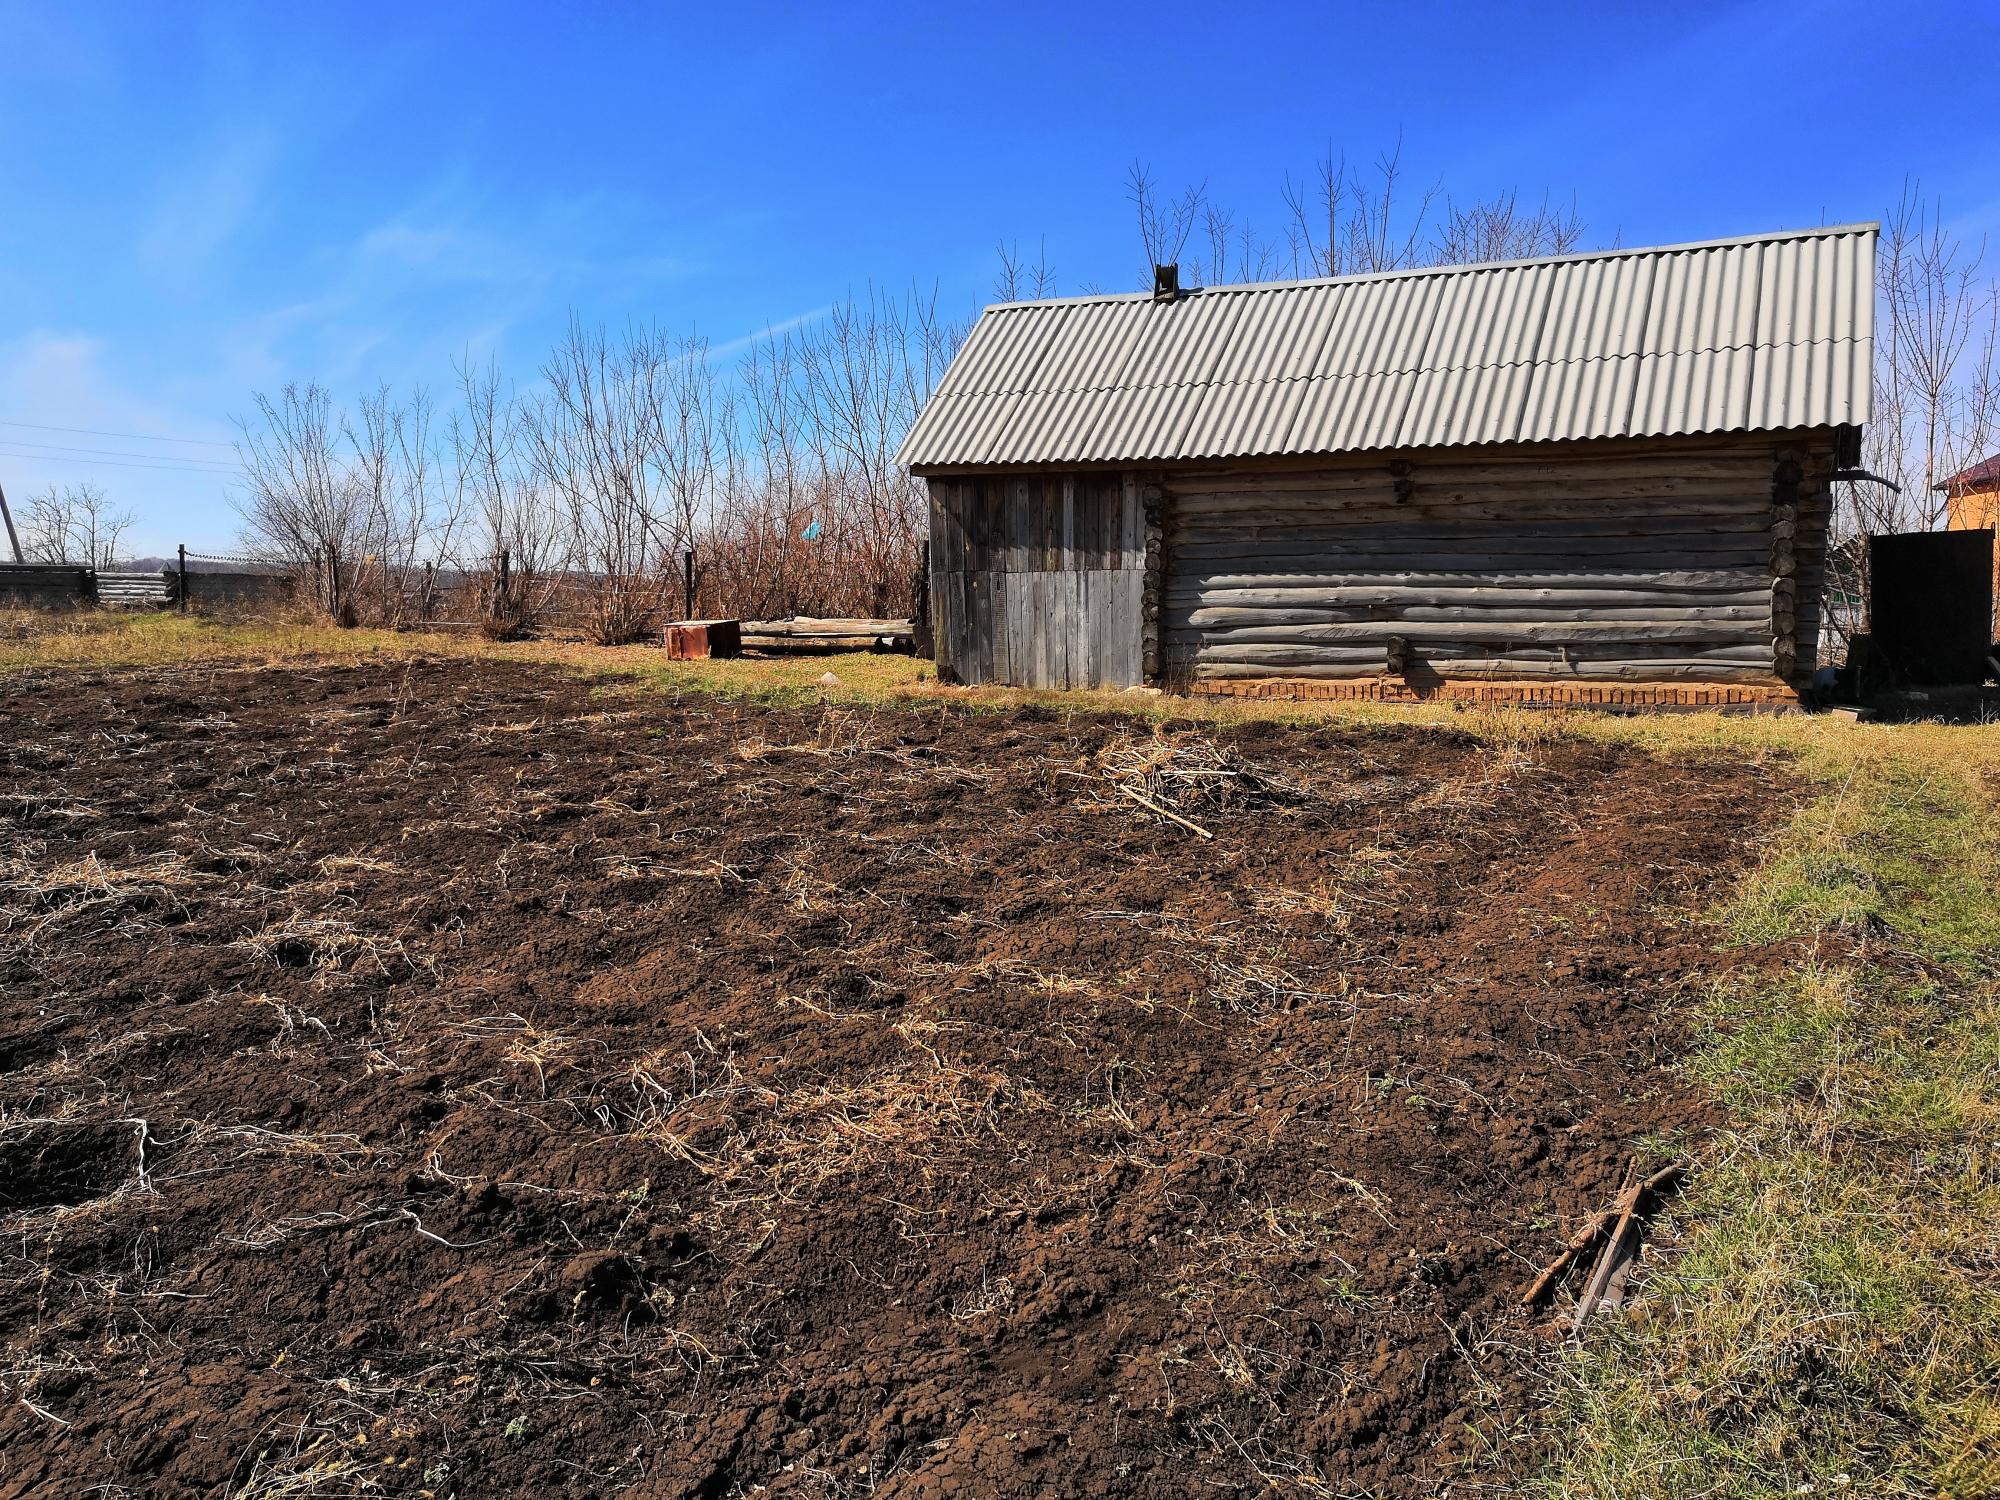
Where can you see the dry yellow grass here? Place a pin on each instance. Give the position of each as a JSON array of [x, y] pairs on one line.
[[94, 639]]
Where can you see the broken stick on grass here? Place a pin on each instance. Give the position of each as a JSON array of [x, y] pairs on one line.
[[1166, 812], [1620, 1246], [1619, 1209]]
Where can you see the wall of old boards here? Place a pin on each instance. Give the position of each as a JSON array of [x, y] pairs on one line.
[[1036, 580], [1677, 559]]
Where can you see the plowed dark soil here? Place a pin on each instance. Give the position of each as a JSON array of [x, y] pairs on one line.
[[447, 1079]]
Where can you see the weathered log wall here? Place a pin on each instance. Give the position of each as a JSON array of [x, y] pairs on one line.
[[1036, 580], [1689, 559]]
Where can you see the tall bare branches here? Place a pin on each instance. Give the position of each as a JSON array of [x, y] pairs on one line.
[[594, 435], [1937, 401], [583, 497], [1340, 219], [513, 532], [1022, 280], [409, 515], [73, 523], [356, 503], [1164, 222], [1936, 391], [302, 502]]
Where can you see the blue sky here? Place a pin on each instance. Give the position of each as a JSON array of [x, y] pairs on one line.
[[200, 202]]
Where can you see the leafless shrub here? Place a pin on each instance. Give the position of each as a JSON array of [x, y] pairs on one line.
[[515, 527], [408, 516], [811, 513], [594, 437], [352, 503]]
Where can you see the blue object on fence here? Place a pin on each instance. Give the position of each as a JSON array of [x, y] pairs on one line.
[[811, 533]]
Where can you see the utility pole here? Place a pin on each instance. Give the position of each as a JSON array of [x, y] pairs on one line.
[[7, 515]]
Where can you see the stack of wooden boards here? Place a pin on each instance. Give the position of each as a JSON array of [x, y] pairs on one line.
[[691, 639], [803, 633]]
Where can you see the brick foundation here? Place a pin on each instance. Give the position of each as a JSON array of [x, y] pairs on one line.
[[1732, 697]]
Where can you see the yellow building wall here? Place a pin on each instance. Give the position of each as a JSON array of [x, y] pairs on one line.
[[1977, 511]]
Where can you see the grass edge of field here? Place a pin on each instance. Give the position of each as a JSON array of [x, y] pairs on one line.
[[32, 640], [1826, 1319]]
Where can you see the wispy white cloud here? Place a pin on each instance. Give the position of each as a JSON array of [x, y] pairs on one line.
[[542, 245], [454, 267], [199, 208], [769, 331]]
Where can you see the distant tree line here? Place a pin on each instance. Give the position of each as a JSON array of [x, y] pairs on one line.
[[585, 493]]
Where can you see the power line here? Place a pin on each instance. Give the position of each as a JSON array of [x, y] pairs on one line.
[[167, 466], [142, 437], [165, 458], [115, 463]]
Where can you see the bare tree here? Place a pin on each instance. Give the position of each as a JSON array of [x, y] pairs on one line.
[[301, 502], [1936, 394], [1164, 223], [594, 437], [1937, 381], [812, 513], [687, 447], [73, 524], [510, 517], [409, 518], [1498, 228], [1341, 220], [355, 503]]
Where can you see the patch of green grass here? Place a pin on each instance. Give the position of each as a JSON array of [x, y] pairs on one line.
[[1826, 1319]]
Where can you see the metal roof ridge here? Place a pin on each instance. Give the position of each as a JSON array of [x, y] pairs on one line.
[[1821, 231]]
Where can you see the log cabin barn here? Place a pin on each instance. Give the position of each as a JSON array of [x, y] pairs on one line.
[[1600, 478]]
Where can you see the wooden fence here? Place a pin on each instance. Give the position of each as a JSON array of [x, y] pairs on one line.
[[46, 586]]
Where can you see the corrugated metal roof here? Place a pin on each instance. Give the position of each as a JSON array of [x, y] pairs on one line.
[[1766, 332]]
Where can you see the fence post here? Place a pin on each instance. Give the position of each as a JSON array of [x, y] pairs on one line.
[[687, 573], [183, 590], [922, 640]]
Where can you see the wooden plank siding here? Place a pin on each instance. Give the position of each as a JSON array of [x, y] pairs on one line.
[[1036, 579], [1671, 560]]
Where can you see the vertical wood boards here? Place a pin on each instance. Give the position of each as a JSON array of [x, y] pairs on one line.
[[1035, 579]]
